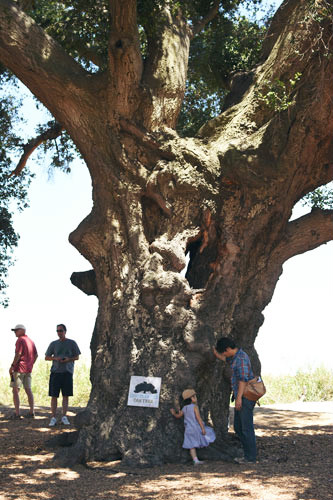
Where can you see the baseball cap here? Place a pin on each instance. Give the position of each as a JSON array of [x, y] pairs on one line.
[[18, 327]]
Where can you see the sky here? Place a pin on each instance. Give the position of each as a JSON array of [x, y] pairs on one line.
[[297, 332]]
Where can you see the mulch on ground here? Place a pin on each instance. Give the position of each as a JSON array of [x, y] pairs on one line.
[[295, 448]]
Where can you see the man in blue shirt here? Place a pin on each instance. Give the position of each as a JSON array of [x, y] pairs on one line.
[[226, 350]]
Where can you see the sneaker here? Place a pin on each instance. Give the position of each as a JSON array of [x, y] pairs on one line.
[[29, 415], [53, 422], [242, 460], [198, 462], [65, 420], [15, 417]]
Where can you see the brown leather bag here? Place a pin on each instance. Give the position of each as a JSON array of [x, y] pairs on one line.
[[254, 389]]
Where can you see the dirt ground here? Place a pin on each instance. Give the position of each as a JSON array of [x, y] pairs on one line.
[[295, 448]]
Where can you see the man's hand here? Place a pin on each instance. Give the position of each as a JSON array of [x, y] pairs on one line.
[[238, 403], [64, 360]]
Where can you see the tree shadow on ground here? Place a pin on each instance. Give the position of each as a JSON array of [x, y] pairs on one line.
[[295, 462]]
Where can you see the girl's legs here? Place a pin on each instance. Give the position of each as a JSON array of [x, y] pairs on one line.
[[193, 453]]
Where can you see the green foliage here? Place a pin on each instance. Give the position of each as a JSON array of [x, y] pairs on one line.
[[40, 385], [13, 191], [312, 385], [278, 95], [321, 10], [80, 27], [228, 45], [62, 151], [320, 198]]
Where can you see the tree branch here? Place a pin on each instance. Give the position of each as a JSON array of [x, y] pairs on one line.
[[125, 61], [165, 70], [85, 281], [261, 141], [39, 61], [306, 233], [205, 20], [88, 52], [146, 139], [29, 148]]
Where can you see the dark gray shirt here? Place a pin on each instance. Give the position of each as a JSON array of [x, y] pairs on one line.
[[63, 349]]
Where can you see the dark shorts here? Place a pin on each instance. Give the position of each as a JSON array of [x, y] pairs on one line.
[[63, 381]]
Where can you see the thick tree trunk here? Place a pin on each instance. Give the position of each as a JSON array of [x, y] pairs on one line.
[[225, 198], [152, 321], [147, 320]]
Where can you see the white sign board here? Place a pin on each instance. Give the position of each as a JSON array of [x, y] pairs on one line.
[[144, 391]]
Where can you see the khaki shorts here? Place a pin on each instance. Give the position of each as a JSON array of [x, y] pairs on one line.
[[21, 379]]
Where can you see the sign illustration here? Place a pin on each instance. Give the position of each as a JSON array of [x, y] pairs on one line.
[[144, 391]]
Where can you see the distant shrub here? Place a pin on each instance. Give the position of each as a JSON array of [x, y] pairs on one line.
[[40, 385], [310, 385]]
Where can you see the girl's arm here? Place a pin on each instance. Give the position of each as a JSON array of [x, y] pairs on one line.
[[200, 422], [177, 414]]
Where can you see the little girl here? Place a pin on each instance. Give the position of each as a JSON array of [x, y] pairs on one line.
[[197, 434]]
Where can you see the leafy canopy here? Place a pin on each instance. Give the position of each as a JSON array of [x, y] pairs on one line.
[[228, 44]]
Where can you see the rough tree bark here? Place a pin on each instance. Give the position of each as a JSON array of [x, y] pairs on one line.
[[225, 196]]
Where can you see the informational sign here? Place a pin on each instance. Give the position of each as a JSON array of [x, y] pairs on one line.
[[144, 391]]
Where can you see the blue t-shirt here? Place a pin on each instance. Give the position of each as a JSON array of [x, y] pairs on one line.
[[63, 349]]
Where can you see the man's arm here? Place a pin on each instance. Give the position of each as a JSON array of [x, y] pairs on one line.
[[241, 389], [52, 358], [218, 355], [243, 375], [35, 354], [75, 354], [68, 360], [17, 358]]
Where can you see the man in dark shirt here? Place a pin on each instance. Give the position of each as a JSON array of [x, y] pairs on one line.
[[62, 352], [21, 368]]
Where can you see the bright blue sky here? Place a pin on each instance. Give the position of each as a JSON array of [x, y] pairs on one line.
[[297, 331]]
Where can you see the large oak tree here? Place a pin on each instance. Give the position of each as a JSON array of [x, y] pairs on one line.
[[224, 196]]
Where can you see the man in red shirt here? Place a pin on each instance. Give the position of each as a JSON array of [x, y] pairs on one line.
[[21, 368]]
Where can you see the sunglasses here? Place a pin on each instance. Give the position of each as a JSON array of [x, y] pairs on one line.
[[60, 331]]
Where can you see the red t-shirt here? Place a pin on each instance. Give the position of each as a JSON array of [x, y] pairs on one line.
[[28, 351]]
